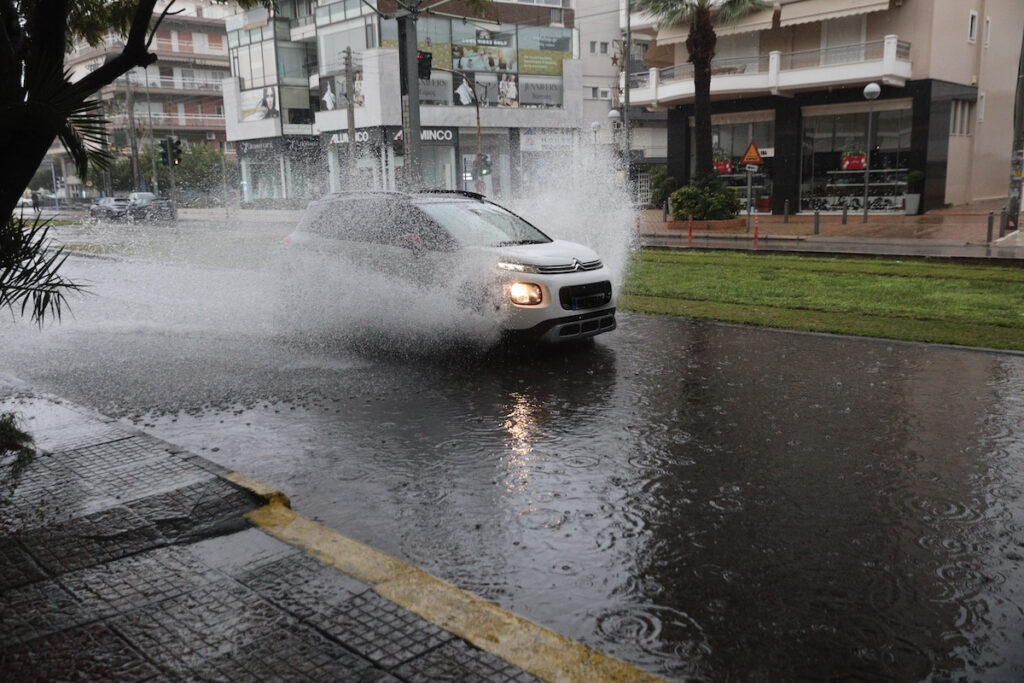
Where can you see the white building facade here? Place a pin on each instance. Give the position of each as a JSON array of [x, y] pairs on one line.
[[287, 102]]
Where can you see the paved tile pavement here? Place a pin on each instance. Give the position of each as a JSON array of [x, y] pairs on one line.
[[125, 558]]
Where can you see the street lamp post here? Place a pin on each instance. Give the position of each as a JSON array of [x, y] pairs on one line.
[[595, 126], [871, 92], [614, 117]]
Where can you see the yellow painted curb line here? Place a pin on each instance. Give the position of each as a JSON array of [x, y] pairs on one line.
[[534, 648]]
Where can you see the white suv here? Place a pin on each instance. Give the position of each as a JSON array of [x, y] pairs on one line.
[[495, 262]]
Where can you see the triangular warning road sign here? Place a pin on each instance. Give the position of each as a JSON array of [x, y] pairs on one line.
[[751, 156]]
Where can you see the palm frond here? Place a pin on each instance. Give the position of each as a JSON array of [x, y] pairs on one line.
[[670, 12], [84, 135], [30, 270], [731, 11]]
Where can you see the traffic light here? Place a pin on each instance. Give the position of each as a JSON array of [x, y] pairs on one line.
[[423, 61], [175, 151], [164, 152], [485, 164]]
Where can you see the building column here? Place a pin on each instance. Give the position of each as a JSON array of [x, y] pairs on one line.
[[678, 146], [786, 164]]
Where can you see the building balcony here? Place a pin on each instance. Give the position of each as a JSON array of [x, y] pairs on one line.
[[779, 73], [170, 121], [165, 85]]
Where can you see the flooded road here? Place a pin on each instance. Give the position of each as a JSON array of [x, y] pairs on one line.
[[706, 501]]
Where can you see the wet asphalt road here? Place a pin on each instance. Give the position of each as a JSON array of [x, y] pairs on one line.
[[703, 500]]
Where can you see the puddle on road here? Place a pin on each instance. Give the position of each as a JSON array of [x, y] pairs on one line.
[[705, 501]]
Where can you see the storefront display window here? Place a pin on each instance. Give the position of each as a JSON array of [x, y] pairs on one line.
[[731, 136], [834, 176]]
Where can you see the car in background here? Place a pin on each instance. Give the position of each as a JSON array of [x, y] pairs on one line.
[[460, 245], [109, 209], [146, 206]]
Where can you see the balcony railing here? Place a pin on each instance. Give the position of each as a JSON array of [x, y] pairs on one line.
[[165, 120], [172, 83], [887, 60]]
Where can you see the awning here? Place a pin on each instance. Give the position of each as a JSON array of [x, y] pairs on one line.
[[659, 56], [755, 21], [807, 11]]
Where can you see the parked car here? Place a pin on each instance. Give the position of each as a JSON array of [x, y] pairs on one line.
[[460, 245], [146, 206], [109, 209]]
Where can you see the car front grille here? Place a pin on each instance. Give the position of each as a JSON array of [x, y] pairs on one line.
[[582, 297], [574, 267]]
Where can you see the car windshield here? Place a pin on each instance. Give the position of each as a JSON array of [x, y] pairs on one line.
[[482, 224]]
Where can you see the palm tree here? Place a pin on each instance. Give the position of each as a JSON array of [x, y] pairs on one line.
[[700, 42]]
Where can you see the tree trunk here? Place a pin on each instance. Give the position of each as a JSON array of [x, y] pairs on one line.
[[24, 149], [701, 45]]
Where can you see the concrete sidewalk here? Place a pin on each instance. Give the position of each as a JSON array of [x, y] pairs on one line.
[[958, 232], [123, 557]]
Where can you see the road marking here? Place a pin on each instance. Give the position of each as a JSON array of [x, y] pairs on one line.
[[534, 648]]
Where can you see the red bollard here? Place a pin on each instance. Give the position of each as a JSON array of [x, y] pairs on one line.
[[689, 233]]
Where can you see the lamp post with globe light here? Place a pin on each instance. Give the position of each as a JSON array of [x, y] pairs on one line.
[[871, 93], [614, 118], [595, 126]]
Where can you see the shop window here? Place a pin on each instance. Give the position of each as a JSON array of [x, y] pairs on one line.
[[839, 163]]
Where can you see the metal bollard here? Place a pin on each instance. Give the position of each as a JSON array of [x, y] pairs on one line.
[[991, 222], [844, 215], [785, 212], [817, 221], [1002, 223]]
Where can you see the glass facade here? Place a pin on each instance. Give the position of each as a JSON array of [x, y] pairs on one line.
[[834, 173], [730, 140]]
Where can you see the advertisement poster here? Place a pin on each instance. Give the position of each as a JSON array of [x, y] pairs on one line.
[[537, 92], [542, 50], [259, 104], [333, 95], [463, 90], [487, 51]]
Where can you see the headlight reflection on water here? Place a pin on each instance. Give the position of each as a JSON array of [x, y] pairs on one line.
[[521, 425]]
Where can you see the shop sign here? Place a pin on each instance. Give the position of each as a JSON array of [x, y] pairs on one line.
[[257, 146], [534, 140], [302, 145], [342, 137], [434, 135]]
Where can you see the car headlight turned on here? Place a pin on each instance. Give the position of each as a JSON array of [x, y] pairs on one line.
[[525, 293]]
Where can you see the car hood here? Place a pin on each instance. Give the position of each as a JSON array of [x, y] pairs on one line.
[[555, 253]]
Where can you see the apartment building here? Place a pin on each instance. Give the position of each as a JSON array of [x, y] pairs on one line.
[[602, 35], [792, 79], [287, 101], [179, 95]]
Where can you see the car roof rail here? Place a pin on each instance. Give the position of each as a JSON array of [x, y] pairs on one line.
[[463, 193]]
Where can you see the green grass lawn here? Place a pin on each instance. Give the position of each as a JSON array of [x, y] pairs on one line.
[[918, 300]]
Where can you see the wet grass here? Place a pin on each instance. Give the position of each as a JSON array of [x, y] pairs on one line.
[[913, 300]]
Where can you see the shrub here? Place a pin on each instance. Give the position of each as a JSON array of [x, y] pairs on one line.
[[707, 199], [662, 185], [915, 182]]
